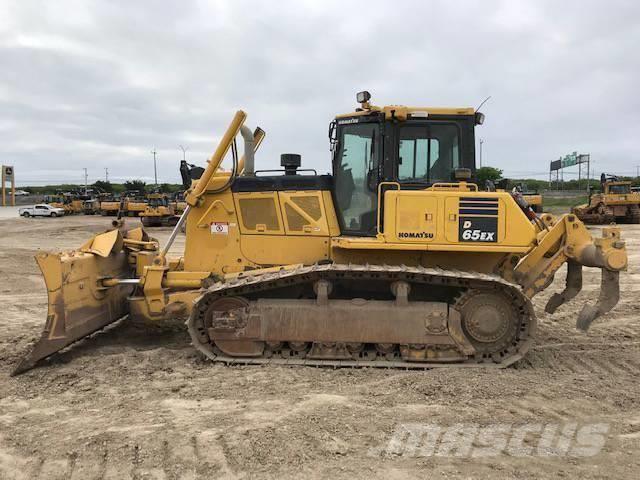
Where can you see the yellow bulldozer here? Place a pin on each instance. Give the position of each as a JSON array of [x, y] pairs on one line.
[[130, 203], [109, 206], [70, 202], [158, 211], [396, 259], [178, 204], [616, 202]]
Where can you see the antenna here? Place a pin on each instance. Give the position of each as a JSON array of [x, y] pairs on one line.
[[483, 102], [184, 151]]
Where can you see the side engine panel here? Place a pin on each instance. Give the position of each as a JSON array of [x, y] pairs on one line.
[[467, 220]]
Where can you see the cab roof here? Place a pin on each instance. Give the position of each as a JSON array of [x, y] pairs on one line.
[[401, 112]]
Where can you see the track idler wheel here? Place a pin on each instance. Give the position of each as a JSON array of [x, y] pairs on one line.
[[224, 317]]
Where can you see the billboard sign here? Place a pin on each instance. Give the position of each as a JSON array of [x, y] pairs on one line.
[[568, 161]]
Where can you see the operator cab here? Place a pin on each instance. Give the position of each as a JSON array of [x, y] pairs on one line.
[[413, 146], [158, 200]]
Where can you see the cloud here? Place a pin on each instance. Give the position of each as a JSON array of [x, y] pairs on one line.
[[101, 84]]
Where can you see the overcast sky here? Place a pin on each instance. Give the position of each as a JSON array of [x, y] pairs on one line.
[[101, 84]]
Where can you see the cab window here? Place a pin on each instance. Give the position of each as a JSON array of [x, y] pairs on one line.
[[428, 152], [619, 188]]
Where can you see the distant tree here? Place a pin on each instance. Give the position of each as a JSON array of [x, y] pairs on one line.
[[103, 186], [138, 185], [487, 173]]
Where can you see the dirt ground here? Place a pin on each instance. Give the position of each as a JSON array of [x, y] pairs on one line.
[[136, 402]]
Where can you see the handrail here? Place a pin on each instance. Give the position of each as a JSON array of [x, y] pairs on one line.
[[395, 184], [448, 185]]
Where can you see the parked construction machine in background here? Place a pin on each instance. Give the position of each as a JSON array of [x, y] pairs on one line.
[[129, 203], [91, 206], [135, 203], [158, 211], [109, 206], [69, 201], [397, 259], [614, 203], [178, 203], [533, 197]]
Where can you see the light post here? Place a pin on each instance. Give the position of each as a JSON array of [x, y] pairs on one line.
[[184, 151], [155, 168]]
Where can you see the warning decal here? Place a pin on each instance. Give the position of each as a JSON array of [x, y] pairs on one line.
[[220, 228]]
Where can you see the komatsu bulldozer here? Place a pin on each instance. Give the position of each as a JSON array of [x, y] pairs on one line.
[[396, 259], [616, 202]]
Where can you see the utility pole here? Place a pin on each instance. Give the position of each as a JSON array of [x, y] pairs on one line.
[[155, 168], [184, 151], [85, 179], [481, 142], [106, 175], [637, 171]]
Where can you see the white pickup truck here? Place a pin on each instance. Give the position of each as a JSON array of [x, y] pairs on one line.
[[41, 210]]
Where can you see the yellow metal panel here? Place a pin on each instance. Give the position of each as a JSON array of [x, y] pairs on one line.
[[453, 218], [410, 217], [304, 213], [430, 220], [332, 218], [206, 247], [268, 250]]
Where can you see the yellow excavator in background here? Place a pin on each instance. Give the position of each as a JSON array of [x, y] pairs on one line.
[[397, 259]]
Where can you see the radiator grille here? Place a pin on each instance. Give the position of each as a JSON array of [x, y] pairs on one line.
[[257, 211], [310, 205]]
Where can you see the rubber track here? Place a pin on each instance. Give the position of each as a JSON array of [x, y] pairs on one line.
[[248, 284]]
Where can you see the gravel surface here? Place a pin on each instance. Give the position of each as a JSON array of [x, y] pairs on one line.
[[138, 402]]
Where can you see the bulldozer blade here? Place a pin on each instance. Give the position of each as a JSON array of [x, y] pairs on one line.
[[608, 298], [572, 287], [78, 304]]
